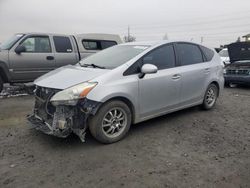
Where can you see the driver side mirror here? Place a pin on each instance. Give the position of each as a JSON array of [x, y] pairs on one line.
[[148, 69], [19, 49]]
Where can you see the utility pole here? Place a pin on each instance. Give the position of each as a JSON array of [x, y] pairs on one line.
[[201, 40], [128, 34]]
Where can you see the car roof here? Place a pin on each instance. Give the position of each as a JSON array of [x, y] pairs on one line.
[[157, 43], [83, 35]]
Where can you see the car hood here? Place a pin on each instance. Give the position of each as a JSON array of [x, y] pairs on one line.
[[68, 76], [239, 51]]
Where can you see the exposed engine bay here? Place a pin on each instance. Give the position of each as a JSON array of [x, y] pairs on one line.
[[61, 120]]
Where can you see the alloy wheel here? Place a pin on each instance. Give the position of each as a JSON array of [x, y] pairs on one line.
[[114, 122]]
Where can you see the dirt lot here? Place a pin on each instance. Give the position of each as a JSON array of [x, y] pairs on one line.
[[190, 148]]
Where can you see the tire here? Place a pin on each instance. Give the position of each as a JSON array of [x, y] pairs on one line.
[[111, 122], [1, 84], [210, 97]]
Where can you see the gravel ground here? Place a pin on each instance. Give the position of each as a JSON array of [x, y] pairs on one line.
[[190, 148]]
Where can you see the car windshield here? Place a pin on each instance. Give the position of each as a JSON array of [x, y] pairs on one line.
[[113, 57], [223, 53], [9, 43]]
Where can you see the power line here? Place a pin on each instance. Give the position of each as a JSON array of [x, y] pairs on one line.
[[190, 21]]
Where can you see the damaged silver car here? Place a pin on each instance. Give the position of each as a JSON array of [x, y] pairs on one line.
[[124, 85]]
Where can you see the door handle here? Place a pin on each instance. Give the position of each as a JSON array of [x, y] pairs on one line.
[[207, 70], [50, 57], [176, 77]]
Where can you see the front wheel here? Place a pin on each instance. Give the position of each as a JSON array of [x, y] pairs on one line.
[[210, 97], [111, 123]]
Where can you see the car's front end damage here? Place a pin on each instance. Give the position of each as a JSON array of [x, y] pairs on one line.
[[58, 116]]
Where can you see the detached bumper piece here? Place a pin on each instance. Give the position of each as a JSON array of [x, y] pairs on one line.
[[61, 120]]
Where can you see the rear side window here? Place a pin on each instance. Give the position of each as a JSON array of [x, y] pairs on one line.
[[107, 44], [209, 54], [62, 44], [162, 58], [91, 45], [97, 44], [189, 54]]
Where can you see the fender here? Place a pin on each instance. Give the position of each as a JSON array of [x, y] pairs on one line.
[[4, 72]]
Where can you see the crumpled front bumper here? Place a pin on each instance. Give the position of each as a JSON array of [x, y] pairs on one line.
[[65, 119], [39, 124]]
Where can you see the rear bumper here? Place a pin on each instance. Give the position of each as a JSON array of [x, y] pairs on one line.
[[237, 79]]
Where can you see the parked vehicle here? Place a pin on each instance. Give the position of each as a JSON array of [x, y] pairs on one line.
[[238, 72], [25, 57], [224, 56], [125, 84]]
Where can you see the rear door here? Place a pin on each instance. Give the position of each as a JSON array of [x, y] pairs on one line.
[[159, 92], [194, 72], [37, 60], [65, 51]]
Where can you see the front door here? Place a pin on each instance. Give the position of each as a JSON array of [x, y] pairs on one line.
[[37, 60], [159, 92]]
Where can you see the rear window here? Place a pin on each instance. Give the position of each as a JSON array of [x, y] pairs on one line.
[[97, 44], [62, 44], [209, 54]]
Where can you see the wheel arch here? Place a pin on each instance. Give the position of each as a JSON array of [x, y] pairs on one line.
[[217, 85], [4, 72], [127, 102]]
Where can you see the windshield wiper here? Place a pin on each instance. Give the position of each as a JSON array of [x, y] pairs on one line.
[[92, 65]]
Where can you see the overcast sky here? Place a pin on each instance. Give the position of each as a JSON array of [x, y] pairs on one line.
[[217, 21]]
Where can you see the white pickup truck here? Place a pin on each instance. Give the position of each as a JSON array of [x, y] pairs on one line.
[[26, 56]]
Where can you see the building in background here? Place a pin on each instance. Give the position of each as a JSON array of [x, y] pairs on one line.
[[247, 37]]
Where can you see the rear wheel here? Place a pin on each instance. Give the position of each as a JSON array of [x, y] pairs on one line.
[[210, 97], [111, 123], [1, 84]]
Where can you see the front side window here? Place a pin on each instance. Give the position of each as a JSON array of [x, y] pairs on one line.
[[189, 54], [39, 44], [162, 58], [62, 44]]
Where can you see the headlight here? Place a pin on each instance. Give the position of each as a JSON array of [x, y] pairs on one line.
[[71, 95], [224, 71]]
